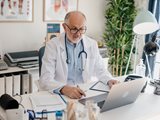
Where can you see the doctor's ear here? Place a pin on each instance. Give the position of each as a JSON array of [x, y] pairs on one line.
[[64, 26]]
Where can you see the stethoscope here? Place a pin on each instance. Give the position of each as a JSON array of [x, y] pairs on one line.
[[79, 55]]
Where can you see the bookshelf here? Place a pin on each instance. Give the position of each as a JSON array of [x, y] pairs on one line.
[[16, 80]]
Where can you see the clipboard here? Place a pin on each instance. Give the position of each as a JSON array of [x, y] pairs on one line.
[[100, 86]]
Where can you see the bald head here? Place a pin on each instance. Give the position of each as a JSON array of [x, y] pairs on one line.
[[74, 15], [74, 25]]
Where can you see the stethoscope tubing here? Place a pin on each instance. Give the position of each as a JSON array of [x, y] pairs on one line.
[[80, 53]]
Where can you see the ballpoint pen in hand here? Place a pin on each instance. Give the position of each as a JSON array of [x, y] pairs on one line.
[[81, 91]]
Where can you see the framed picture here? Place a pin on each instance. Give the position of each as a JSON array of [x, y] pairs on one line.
[[53, 30], [55, 10], [16, 10]]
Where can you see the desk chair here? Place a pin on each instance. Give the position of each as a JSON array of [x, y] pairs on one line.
[[40, 55]]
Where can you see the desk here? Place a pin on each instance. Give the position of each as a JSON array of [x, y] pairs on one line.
[[146, 107]]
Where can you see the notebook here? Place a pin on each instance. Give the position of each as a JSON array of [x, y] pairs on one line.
[[48, 102]]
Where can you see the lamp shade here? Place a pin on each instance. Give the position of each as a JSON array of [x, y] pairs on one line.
[[145, 23]]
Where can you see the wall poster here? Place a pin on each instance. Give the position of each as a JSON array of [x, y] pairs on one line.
[[16, 10], [55, 10]]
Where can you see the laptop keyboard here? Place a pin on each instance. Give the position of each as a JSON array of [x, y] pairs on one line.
[[100, 104]]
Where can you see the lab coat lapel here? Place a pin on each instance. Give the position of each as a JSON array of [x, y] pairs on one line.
[[63, 55], [85, 73]]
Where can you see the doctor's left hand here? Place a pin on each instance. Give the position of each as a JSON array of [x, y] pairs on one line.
[[112, 82], [72, 92]]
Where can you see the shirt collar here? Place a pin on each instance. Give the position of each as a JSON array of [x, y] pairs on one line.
[[72, 44]]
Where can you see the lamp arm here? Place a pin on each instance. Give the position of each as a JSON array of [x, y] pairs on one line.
[[134, 39], [149, 69]]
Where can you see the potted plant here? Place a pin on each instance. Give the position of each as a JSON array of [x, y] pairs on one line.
[[118, 36]]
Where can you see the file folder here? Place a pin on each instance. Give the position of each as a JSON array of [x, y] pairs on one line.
[[8, 84], [34, 76], [2, 85], [16, 84], [25, 85]]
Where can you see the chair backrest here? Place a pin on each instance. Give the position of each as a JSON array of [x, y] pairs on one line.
[[40, 54]]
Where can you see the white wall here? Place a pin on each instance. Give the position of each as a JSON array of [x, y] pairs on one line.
[[22, 36]]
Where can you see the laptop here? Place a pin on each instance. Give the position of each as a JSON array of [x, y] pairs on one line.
[[120, 94]]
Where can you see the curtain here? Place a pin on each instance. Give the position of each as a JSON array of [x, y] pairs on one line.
[[154, 7]]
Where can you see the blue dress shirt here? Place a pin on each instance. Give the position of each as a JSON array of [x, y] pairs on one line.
[[74, 66]]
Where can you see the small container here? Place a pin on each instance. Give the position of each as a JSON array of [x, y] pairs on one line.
[[141, 68], [59, 115]]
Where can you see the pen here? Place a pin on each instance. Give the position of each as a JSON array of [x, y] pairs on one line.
[[81, 89], [82, 92]]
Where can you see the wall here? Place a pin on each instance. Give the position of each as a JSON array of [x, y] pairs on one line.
[[21, 36], [140, 5]]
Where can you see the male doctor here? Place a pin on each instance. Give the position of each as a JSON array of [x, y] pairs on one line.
[[72, 59]]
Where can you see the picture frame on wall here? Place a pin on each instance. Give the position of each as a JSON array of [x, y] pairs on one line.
[[16, 10], [55, 10], [53, 30]]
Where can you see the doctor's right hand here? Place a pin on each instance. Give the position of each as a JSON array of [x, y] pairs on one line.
[[72, 92]]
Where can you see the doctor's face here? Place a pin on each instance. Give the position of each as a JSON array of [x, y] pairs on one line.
[[75, 27]]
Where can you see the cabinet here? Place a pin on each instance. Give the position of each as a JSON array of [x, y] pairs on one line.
[[16, 80]]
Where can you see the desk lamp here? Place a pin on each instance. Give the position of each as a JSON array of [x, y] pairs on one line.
[[144, 23], [150, 49]]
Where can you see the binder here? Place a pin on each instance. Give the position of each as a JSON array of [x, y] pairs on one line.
[[2, 85], [8, 84], [25, 84], [34, 76], [16, 84]]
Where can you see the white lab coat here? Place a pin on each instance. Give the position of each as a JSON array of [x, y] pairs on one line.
[[55, 69]]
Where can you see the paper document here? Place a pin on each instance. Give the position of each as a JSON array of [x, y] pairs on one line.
[[48, 102], [100, 86]]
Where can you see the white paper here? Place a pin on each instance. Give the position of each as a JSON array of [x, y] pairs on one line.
[[100, 86]]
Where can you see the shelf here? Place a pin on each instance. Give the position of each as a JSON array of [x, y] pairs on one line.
[[16, 69]]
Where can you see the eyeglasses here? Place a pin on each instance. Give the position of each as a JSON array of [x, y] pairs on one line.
[[75, 30]]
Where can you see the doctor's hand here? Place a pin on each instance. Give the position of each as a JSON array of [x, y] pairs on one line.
[[112, 82], [72, 92]]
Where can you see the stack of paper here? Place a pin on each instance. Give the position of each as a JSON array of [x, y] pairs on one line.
[[49, 102]]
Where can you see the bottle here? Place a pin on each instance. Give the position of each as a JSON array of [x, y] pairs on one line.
[[59, 115], [93, 110], [141, 68]]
